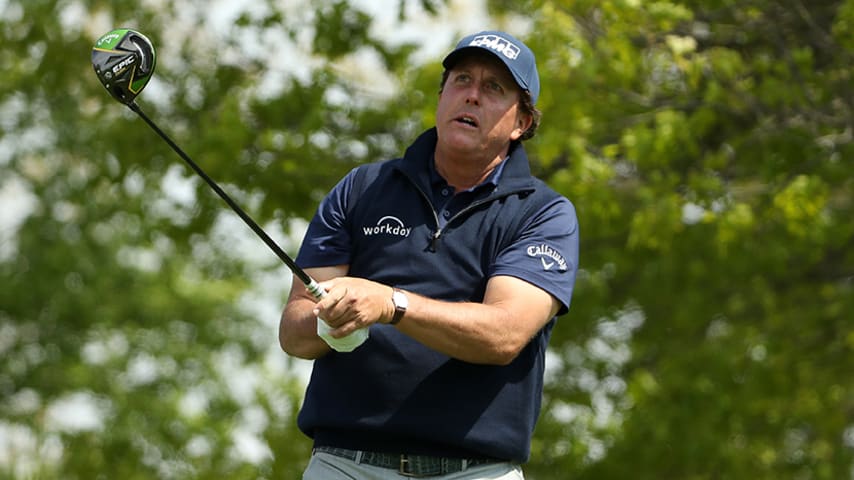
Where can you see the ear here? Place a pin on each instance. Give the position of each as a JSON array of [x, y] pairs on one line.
[[523, 123]]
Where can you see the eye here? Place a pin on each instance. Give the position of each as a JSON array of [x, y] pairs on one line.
[[462, 78], [494, 87]]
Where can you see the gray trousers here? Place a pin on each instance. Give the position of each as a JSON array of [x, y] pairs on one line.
[[324, 466]]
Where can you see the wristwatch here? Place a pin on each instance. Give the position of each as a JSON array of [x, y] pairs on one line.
[[400, 301]]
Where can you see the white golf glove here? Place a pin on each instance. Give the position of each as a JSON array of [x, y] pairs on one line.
[[344, 344]]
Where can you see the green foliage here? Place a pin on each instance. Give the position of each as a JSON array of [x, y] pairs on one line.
[[706, 145], [118, 290], [707, 148]]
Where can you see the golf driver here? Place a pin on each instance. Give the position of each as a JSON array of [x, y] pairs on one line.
[[124, 62]]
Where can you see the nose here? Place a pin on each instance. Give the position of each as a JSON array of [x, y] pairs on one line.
[[473, 95]]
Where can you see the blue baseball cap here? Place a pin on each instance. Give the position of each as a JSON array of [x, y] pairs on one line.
[[518, 58]]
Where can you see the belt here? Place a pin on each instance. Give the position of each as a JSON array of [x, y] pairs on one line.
[[407, 465]]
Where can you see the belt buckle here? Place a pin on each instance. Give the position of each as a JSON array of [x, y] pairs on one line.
[[404, 468]]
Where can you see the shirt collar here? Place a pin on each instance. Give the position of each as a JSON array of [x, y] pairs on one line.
[[491, 180], [416, 162]]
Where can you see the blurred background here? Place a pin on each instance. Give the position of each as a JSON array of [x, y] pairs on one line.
[[707, 146]]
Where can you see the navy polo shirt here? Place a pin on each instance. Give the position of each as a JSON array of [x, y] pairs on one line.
[[385, 220], [447, 202]]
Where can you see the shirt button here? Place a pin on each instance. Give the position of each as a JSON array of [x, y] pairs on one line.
[[446, 214], [446, 192]]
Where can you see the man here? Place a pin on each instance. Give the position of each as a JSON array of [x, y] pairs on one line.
[[457, 261]]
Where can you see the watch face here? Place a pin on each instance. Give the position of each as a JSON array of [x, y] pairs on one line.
[[400, 302], [399, 299]]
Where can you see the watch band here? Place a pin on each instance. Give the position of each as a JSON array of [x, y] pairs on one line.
[[401, 302]]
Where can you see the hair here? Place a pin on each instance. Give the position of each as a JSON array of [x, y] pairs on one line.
[[526, 105]]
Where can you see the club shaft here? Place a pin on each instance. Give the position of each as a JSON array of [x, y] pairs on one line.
[[309, 282]]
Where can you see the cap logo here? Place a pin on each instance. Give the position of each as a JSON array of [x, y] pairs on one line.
[[496, 43]]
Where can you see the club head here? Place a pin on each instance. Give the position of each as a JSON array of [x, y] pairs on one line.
[[124, 62]]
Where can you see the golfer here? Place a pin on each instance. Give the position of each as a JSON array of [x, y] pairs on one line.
[[458, 262]]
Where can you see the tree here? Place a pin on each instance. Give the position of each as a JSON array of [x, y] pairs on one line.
[[706, 145], [121, 291]]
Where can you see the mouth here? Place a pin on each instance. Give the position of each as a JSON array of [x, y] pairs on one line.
[[466, 119]]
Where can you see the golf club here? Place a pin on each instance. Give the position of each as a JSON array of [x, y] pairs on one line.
[[124, 61]]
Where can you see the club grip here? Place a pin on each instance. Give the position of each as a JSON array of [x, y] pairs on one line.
[[315, 289]]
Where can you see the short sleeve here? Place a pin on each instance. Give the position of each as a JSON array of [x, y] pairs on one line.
[[327, 240], [545, 251]]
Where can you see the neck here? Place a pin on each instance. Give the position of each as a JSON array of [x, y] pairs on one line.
[[463, 171]]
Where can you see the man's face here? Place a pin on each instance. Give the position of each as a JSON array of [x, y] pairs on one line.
[[478, 109]]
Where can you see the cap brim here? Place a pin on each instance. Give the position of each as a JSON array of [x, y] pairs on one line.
[[452, 58]]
